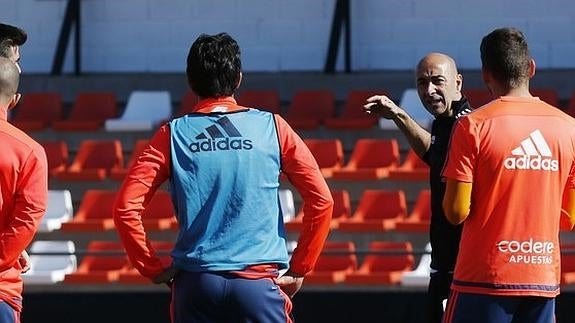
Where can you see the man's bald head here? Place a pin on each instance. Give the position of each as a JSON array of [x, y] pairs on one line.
[[9, 78], [438, 83]]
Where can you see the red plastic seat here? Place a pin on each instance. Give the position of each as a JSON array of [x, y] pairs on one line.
[[267, 100], [378, 211], [370, 159], [102, 264], [337, 260], [129, 275], [38, 110], [57, 156], [385, 265], [310, 108], [118, 174], [477, 97], [328, 153], [420, 217], [412, 169], [341, 210], [89, 112], [352, 116], [94, 160], [188, 103]]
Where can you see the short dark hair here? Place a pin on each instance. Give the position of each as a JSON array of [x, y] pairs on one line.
[[214, 65], [505, 54], [10, 36]]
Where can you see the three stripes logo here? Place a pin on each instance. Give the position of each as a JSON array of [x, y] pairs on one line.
[[216, 140], [533, 153]]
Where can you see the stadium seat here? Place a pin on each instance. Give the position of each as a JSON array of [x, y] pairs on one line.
[[370, 159], [267, 100], [310, 108], [378, 211], [95, 212], [352, 115], [50, 261], [419, 276], [385, 264], [548, 95], [102, 264], [420, 217], [129, 274], [412, 169], [328, 153], [336, 261], [94, 160], [287, 204], [411, 103], [118, 174], [59, 210], [341, 210], [89, 112], [477, 97], [568, 263], [57, 156], [187, 104], [38, 110], [145, 110]]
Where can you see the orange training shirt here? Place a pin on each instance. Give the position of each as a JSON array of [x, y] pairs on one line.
[[519, 155], [23, 198]]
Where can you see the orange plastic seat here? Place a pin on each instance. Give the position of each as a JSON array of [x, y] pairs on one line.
[[94, 160], [378, 211], [267, 100], [95, 212], [384, 265], [328, 153], [57, 156], [477, 97], [341, 210], [420, 217], [188, 103], [337, 260], [89, 112], [310, 108], [352, 116], [102, 264], [129, 274], [412, 169], [370, 159], [118, 174], [38, 110]]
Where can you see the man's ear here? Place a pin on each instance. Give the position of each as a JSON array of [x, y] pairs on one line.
[[459, 82], [532, 67], [15, 98]]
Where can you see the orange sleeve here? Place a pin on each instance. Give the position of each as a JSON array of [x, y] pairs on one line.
[[151, 169], [462, 152], [301, 168], [30, 202]]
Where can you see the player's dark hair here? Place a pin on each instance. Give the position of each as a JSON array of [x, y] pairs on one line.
[[10, 36], [214, 65], [505, 54]]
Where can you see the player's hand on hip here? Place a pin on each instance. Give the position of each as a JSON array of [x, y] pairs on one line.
[[290, 283], [24, 261], [166, 276], [381, 105]]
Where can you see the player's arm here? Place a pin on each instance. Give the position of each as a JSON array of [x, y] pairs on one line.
[[456, 201], [149, 171], [29, 208], [418, 137], [568, 210]]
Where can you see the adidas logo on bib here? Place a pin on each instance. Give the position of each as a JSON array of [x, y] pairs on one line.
[[533, 153], [229, 139]]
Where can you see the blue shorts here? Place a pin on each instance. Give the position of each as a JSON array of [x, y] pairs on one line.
[[223, 297], [471, 308], [8, 314]]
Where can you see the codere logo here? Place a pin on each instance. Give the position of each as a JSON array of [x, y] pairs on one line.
[[533, 153], [219, 141]]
